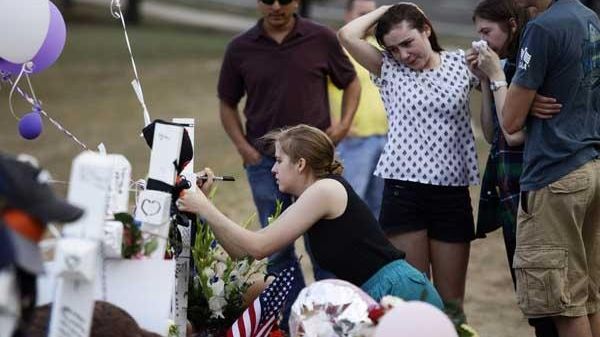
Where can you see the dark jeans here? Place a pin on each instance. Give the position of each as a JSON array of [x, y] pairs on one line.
[[360, 156], [265, 192]]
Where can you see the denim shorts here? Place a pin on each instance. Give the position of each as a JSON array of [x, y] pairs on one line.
[[402, 280], [444, 211]]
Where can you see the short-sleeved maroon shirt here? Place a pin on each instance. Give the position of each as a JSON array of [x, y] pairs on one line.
[[285, 84]]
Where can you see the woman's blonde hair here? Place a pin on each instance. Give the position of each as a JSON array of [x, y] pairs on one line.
[[310, 143]]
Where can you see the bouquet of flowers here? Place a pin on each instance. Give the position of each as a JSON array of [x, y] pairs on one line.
[[134, 246], [217, 288]]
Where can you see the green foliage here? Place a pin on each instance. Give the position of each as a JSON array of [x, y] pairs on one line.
[[173, 330], [454, 311], [133, 245], [278, 210]]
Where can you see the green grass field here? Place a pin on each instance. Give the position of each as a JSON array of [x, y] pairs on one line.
[[88, 92]]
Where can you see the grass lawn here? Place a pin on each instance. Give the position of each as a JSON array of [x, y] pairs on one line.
[[88, 92]]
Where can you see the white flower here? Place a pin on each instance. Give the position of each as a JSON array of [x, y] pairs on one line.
[[243, 267], [208, 272], [221, 255], [218, 288], [220, 269], [235, 279], [216, 305], [389, 302]]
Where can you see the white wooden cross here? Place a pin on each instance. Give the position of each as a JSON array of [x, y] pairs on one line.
[[153, 207], [77, 254], [118, 202], [182, 267], [119, 186]]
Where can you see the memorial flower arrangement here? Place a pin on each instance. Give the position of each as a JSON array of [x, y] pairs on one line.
[[218, 284]]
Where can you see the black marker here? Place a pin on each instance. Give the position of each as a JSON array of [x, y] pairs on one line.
[[222, 178]]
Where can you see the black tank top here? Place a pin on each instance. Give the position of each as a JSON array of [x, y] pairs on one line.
[[352, 246]]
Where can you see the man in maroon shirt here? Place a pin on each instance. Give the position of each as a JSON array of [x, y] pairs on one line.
[[281, 65]]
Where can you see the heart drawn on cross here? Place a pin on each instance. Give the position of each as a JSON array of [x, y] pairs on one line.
[[150, 207]]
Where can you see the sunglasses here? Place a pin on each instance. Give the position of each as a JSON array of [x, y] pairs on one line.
[[281, 2]]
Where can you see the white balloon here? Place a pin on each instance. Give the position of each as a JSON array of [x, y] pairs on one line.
[[415, 319], [24, 26]]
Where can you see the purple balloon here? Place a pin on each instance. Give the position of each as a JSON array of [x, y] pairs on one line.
[[30, 126], [51, 48]]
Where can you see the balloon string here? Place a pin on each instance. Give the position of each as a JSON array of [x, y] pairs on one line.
[[24, 70], [115, 9], [37, 107], [31, 89], [62, 129], [134, 185]]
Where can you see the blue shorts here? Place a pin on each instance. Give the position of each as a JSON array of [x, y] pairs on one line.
[[402, 280]]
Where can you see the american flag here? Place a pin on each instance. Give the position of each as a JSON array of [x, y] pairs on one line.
[[258, 319]]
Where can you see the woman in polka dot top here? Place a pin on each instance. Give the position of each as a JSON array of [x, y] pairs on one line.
[[429, 160]]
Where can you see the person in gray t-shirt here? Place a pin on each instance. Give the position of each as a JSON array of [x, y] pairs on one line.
[[559, 58], [558, 232]]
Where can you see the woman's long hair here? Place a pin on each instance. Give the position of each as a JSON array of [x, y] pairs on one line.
[[501, 12], [410, 13]]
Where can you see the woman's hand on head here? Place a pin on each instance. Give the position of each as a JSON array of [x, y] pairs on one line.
[[205, 180]]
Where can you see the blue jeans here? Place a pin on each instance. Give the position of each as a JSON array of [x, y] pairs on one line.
[[360, 156], [265, 192]]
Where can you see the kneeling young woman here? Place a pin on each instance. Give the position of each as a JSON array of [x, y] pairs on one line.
[[343, 235]]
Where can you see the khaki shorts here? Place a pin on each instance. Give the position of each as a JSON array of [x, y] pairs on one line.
[[557, 259]]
